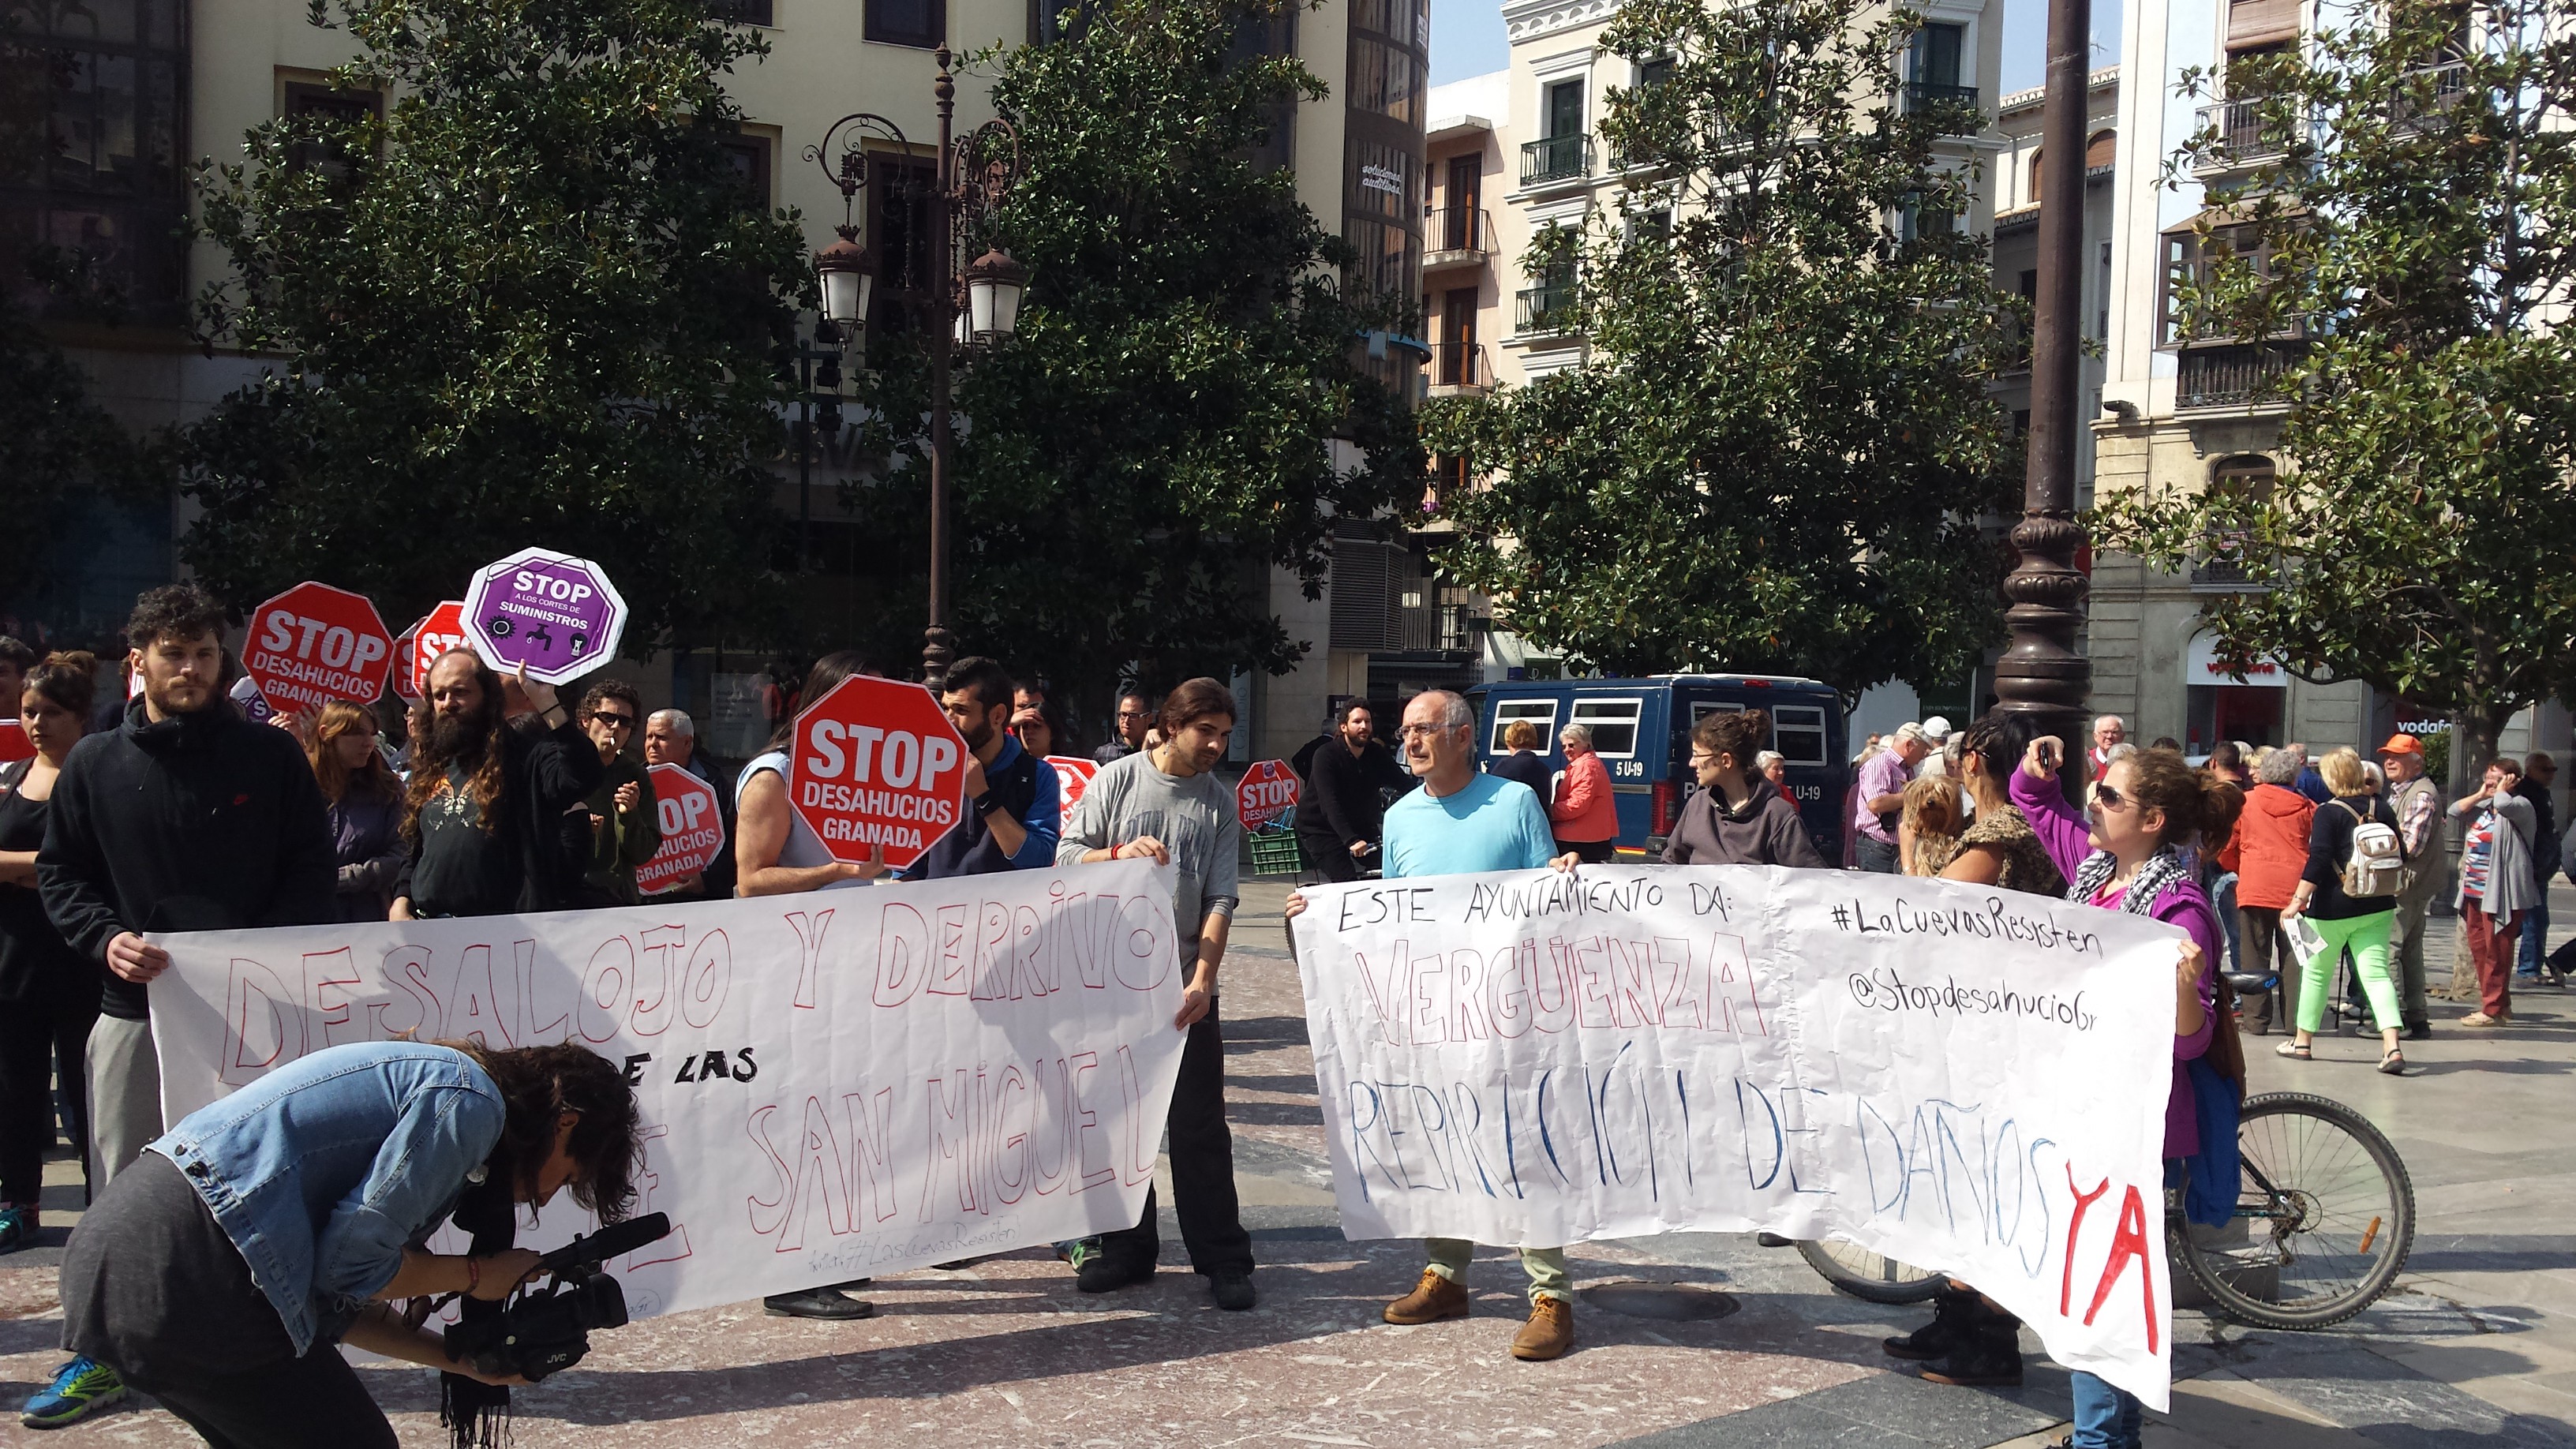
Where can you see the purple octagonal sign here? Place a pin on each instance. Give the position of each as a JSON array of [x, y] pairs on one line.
[[557, 614]]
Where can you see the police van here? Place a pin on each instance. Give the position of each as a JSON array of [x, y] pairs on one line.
[[1641, 729]]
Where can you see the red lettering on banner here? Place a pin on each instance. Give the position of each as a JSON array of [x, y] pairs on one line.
[[2075, 1226], [2128, 1242]]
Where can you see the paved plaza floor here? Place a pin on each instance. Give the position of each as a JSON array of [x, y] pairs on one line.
[[2477, 1346]]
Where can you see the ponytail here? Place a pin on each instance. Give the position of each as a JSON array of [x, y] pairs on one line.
[[2199, 807]]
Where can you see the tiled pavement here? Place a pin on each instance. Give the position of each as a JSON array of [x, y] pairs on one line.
[[2478, 1347]]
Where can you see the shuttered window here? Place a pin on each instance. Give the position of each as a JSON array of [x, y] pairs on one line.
[[2261, 22]]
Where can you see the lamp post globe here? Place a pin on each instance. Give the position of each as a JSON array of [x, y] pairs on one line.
[[846, 271], [994, 285]]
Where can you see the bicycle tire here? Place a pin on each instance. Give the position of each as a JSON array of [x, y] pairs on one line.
[[2272, 1185], [1869, 1276]]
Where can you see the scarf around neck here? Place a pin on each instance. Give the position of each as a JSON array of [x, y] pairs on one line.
[[2162, 870]]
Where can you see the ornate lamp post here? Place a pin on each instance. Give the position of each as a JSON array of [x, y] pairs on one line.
[[2041, 676], [964, 306]]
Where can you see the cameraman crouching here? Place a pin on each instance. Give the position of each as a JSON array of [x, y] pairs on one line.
[[217, 1273]]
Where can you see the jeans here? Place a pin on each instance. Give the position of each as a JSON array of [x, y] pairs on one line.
[[2267, 953], [2535, 936], [1202, 1169], [2222, 894], [2407, 934], [1876, 855], [2105, 1417], [1545, 1266]]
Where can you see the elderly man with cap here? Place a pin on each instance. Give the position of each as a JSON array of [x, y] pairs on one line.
[[2418, 803], [1880, 797]]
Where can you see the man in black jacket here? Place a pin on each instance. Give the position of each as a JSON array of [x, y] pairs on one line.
[[1337, 823], [186, 817], [494, 768], [1014, 806]]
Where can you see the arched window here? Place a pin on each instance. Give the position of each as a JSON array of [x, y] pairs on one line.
[[2101, 150], [2036, 157], [2247, 474]]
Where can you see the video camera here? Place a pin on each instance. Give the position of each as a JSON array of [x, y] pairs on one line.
[[546, 1333]]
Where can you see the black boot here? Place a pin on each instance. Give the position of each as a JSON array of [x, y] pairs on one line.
[[1989, 1356], [1954, 1312]]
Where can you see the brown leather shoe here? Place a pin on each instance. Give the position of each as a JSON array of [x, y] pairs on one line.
[[1549, 1332], [1433, 1299]]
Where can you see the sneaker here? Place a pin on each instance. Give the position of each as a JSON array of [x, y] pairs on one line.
[[1100, 1272], [1232, 1291], [1433, 1299], [1954, 1314], [2420, 1031], [825, 1303], [17, 1227], [1549, 1332], [82, 1388]]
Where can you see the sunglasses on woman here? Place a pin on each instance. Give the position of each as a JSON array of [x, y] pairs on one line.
[[2109, 799]]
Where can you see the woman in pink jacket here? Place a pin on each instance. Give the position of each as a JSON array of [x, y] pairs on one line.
[[1583, 815]]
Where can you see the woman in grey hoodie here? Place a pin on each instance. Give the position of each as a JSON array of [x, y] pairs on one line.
[[1737, 818]]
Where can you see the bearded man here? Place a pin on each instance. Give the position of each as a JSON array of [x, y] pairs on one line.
[[495, 765]]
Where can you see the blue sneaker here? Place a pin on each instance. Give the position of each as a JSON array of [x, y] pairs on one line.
[[82, 1388], [17, 1226]]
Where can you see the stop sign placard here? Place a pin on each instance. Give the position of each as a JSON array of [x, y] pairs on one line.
[[438, 631], [1268, 791], [315, 643], [1071, 777], [692, 830], [14, 744], [875, 763], [556, 614]]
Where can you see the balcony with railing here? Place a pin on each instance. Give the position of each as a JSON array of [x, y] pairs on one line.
[[1460, 369], [1555, 159], [1956, 107], [1546, 310], [2221, 576], [2232, 377], [1434, 617], [1455, 236], [2245, 136], [2450, 83]]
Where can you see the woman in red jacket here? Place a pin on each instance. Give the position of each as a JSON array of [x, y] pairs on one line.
[[1585, 818], [2268, 852]]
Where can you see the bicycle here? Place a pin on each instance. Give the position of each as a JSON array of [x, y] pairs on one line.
[[2323, 1223]]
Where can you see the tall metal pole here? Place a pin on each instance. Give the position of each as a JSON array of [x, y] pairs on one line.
[[805, 457], [2041, 676], [938, 647]]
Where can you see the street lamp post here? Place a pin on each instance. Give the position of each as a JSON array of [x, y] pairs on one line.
[[2041, 676], [963, 306]]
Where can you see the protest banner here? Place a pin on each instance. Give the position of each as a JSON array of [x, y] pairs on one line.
[[1961, 1078], [558, 615], [693, 832], [1072, 777], [439, 630], [876, 764], [15, 746], [1267, 792], [314, 644], [830, 1086]]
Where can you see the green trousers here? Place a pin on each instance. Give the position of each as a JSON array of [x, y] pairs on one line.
[[2367, 938], [1545, 1266]]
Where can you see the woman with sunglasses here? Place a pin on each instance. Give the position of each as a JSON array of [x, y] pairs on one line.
[[2125, 853]]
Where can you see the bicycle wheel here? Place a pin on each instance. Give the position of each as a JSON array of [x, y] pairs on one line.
[[1864, 1274], [2325, 1216]]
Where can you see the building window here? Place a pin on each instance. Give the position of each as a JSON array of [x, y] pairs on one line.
[[1933, 58], [751, 166], [1406, 22], [342, 108], [1386, 80], [1565, 109], [743, 12], [898, 228], [1054, 20], [921, 23]]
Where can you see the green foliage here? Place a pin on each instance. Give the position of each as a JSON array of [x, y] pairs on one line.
[[2419, 215], [1776, 456], [529, 306], [1160, 432]]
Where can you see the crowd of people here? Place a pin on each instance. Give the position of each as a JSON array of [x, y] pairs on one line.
[[182, 813]]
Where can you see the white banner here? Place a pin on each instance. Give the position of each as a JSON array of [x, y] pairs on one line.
[[833, 1086], [1964, 1079]]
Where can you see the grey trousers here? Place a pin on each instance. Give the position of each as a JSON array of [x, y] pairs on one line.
[[2408, 946], [124, 1096]]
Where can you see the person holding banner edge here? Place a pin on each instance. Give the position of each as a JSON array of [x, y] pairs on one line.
[[1167, 805], [777, 854], [1462, 822], [2124, 854], [1014, 806]]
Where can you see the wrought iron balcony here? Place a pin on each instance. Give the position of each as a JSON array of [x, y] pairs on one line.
[[1458, 368], [2245, 136], [1558, 158], [2223, 377], [1545, 310], [1456, 235], [1956, 106]]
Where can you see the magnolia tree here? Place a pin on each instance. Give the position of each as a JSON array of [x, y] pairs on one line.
[[1778, 452], [2409, 245]]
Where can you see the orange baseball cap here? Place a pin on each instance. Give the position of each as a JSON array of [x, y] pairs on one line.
[[2402, 744]]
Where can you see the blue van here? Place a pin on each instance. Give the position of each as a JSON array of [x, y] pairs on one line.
[[1641, 729]]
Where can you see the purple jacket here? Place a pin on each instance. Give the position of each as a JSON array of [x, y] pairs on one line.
[[2064, 833]]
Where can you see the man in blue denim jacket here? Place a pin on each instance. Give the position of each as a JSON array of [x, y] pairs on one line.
[[217, 1273]]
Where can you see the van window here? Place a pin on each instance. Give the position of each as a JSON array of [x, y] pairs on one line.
[[1540, 712], [1613, 723], [1798, 733]]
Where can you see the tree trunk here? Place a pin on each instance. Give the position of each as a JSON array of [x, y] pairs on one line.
[[2474, 733]]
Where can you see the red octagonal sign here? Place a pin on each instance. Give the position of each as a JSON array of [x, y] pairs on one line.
[[877, 764], [1267, 791], [315, 643], [693, 833], [439, 631]]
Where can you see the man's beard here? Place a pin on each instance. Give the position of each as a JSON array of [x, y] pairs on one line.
[[980, 736], [459, 738]]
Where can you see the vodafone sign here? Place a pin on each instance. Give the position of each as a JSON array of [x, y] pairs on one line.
[[315, 643], [692, 830], [875, 764], [1267, 792], [442, 629]]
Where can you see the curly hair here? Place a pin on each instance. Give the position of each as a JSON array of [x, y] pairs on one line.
[[179, 612], [538, 1085], [484, 750]]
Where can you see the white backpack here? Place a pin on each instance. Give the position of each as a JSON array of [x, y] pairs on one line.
[[2377, 865]]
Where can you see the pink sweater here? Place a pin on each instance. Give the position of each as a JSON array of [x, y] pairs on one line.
[[2064, 833]]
